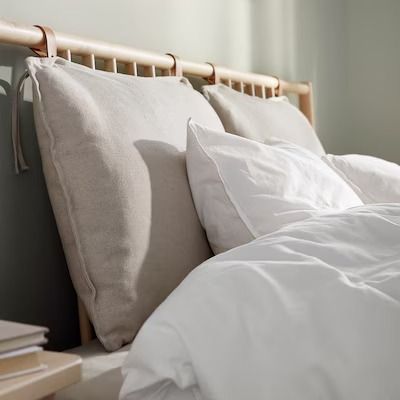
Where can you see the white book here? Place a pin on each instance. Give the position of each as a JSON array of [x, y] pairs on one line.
[[14, 335], [20, 352]]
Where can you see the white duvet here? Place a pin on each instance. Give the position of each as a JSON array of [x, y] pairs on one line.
[[311, 311]]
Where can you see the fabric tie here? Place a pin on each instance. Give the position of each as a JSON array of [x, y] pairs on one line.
[[19, 159]]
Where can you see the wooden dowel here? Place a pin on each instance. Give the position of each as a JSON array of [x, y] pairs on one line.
[[66, 54], [110, 65], [239, 86], [279, 91], [270, 92], [89, 61], [85, 326], [260, 91], [306, 104], [250, 89], [131, 68], [150, 71]]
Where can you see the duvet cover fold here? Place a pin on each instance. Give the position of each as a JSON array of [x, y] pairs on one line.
[[311, 311]]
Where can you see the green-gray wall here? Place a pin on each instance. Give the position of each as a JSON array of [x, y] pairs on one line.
[[350, 49], [373, 78]]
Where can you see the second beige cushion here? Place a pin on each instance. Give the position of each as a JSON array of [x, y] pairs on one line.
[[260, 119]]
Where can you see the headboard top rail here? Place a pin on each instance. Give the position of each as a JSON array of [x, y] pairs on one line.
[[33, 37]]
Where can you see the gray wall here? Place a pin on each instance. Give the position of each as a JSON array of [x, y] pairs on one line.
[[350, 49], [305, 40], [373, 78], [339, 45], [34, 282]]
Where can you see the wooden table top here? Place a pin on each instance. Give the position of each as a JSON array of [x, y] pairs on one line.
[[62, 370]]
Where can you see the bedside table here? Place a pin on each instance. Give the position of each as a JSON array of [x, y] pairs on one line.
[[62, 370]]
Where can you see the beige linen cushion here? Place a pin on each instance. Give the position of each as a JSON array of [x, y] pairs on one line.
[[259, 119], [113, 155]]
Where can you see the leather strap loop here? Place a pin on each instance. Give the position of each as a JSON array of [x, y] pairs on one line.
[[50, 44], [177, 69], [214, 78]]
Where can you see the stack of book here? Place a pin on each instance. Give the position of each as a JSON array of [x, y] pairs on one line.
[[20, 349]]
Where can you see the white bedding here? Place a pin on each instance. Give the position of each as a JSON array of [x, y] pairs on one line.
[[243, 189], [309, 312], [373, 179]]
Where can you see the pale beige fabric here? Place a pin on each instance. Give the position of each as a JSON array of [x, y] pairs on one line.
[[113, 154], [259, 119]]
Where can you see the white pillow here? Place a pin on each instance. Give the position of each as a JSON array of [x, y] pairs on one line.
[[259, 119], [373, 179], [243, 189]]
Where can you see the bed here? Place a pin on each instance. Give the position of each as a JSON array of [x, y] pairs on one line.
[[181, 192]]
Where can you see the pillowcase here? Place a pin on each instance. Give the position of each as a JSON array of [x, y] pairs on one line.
[[243, 189], [259, 119], [373, 179], [113, 154]]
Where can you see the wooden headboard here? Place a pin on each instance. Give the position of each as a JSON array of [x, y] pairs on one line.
[[123, 59]]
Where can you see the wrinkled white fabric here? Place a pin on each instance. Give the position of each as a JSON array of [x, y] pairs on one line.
[[373, 179], [309, 312], [243, 189]]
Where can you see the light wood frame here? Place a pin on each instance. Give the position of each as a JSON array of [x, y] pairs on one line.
[[124, 59]]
